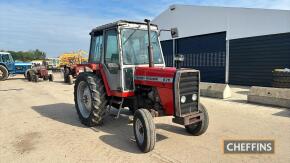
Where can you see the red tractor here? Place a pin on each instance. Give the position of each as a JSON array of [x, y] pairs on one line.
[[37, 72], [126, 69], [72, 71], [69, 73]]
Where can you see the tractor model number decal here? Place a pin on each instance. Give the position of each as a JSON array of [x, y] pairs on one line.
[[154, 78]]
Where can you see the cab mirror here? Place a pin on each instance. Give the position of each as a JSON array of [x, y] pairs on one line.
[[174, 32]]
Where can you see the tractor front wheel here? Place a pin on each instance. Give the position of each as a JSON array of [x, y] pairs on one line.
[[45, 78], [51, 77], [90, 98], [35, 78], [199, 128], [144, 130], [70, 79], [3, 73]]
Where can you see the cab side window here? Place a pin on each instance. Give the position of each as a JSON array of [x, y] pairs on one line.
[[96, 48], [111, 51]]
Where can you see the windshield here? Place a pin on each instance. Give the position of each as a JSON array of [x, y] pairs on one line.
[[135, 47]]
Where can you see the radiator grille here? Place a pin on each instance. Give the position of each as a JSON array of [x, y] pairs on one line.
[[187, 86]]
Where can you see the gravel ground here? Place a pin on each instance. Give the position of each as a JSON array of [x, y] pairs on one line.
[[38, 122]]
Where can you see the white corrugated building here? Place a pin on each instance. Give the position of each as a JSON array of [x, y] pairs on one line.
[[228, 44]]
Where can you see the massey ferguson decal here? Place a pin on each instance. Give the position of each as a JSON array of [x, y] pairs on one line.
[[154, 78]]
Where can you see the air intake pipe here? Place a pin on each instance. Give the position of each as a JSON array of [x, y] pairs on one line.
[[179, 58]]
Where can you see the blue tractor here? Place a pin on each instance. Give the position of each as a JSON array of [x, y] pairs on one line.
[[8, 67]]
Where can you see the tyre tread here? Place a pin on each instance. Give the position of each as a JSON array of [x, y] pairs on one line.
[[99, 98], [150, 132], [201, 126]]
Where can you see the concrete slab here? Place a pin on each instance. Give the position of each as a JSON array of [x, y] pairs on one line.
[[239, 93], [270, 96], [215, 90]]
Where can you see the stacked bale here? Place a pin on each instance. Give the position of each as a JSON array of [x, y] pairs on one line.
[[281, 78]]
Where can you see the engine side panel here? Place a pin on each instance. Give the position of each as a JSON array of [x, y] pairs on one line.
[[166, 98], [155, 76], [162, 79]]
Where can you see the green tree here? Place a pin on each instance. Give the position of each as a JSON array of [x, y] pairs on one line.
[[28, 55]]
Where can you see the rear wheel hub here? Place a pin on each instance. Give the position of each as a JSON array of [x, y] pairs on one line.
[[84, 99]]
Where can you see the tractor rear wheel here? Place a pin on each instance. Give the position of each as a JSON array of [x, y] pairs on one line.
[[199, 128], [3, 73], [144, 130], [30, 74], [51, 77], [26, 74], [90, 98]]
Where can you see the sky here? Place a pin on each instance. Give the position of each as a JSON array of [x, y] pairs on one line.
[[58, 26]]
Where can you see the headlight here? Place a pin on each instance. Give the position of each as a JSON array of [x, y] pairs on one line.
[[182, 99], [194, 97]]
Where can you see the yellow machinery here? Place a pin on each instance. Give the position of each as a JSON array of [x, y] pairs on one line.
[[73, 58]]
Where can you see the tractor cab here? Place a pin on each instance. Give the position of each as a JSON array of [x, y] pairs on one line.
[[6, 65], [122, 46], [7, 60]]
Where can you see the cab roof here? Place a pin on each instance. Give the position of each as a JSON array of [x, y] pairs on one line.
[[119, 23]]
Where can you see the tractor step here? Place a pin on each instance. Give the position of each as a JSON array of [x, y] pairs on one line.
[[116, 101]]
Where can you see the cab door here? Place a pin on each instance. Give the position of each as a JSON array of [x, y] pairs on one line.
[[112, 62]]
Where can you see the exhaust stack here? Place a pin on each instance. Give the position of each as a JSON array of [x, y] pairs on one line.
[[150, 48]]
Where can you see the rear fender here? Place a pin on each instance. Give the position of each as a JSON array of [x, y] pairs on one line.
[[92, 67], [79, 68], [2, 64]]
